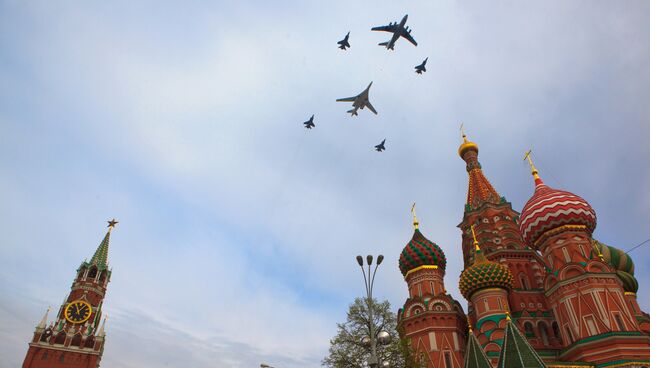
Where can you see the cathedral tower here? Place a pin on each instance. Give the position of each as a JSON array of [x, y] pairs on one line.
[[431, 319], [75, 339], [496, 226], [586, 292]]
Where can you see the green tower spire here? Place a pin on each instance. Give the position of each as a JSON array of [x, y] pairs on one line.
[[100, 258], [516, 351], [475, 356]]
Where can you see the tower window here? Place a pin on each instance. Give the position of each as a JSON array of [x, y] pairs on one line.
[[500, 303], [486, 304], [448, 363], [591, 325], [524, 281], [420, 290], [582, 250], [62, 358], [556, 330], [528, 328], [44, 355], [543, 331], [619, 322], [92, 273]]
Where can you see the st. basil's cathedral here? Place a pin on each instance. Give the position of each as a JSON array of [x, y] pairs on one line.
[[541, 291]]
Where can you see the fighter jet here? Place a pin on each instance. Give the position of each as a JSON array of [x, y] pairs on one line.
[[359, 102], [398, 30], [421, 68], [344, 42], [380, 147], [310, 123]]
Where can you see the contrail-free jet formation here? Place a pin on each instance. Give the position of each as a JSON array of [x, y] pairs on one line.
[[359, 102], [344, 42], [398, 30]]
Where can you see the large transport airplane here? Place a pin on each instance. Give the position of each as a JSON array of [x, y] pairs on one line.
[[398, 30]]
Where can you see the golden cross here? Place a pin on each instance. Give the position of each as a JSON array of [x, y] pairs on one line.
[[533, 169], [415, 219]]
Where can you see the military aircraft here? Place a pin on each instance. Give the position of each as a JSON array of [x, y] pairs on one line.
[[421, 68], [359, 102], [398, 30], [344, 42], [380, 147], [310, 123]]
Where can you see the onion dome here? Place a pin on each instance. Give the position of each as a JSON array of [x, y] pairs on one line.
[[420, 251], [467, 146], [483, 274], [622, 263], [550, 209]]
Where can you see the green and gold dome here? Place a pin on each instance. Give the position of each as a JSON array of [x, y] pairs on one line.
[[483, 274], [622, 262], [420, 251]]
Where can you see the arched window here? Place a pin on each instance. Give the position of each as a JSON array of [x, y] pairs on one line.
[[485, 303], [543, 331], [556, 331], [81, 273], [528, 329], [102, 276]]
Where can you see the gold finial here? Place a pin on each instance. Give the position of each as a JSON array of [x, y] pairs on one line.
[[533, 169], [508, 316], [111, 224], [469, 324], [416, 224], [476, 247]]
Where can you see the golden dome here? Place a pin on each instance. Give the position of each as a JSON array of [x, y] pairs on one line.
[[467, 146]]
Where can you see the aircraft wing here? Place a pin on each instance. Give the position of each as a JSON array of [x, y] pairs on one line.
[[390, 28], [409, 38], [371, 108], [348, 99]]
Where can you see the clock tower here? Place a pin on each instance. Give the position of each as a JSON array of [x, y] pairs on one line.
[[76, 338]]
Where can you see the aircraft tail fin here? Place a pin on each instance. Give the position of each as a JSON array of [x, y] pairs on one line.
[[353, 112]]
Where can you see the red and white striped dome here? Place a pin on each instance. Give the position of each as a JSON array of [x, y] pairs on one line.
[[550, 208]]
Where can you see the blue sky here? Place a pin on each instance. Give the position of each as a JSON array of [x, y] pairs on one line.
[[238, 228]]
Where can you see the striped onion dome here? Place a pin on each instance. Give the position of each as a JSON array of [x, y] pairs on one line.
[[622, 263], [549, 209], [421, 251], [484, 274]]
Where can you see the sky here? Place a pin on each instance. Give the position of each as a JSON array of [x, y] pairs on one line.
[[238, 227]]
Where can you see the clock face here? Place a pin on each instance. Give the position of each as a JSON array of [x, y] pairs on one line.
[[78, 311]]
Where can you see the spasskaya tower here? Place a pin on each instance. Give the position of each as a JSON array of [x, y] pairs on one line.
[[75, 339]]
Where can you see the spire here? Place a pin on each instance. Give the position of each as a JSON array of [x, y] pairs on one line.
[[101, 332], [533, 169], [43, 322], [516, 351], [475, 356], [100, 258], [479, 190], [479, 257], [416, 223]]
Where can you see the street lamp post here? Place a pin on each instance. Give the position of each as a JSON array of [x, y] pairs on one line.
[[369, 282]]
